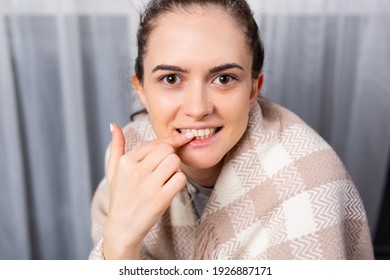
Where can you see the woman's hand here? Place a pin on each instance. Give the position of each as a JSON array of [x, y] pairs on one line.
[[143, 183]]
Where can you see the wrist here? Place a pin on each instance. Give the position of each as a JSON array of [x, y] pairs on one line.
[[117, 244], [118, 252]]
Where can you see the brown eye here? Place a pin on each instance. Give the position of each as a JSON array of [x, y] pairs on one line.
[[171, 79], [224, 79]]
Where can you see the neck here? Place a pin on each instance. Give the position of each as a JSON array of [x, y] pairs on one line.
[[205, 177]]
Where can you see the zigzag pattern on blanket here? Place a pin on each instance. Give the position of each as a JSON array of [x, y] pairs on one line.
[[307, 248]]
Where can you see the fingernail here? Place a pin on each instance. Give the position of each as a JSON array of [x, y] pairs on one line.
[[111, 127], [189, 135]]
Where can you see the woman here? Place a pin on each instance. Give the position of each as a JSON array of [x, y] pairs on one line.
[[213, 171]]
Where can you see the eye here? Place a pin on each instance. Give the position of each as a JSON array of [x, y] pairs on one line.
[[224, 79], [171, 79]]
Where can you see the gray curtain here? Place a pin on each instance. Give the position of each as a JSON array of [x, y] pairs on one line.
[[65, 67]]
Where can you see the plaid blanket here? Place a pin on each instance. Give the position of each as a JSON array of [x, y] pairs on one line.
[[282, 194]]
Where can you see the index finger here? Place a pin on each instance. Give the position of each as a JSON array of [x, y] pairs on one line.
[[175, 141]]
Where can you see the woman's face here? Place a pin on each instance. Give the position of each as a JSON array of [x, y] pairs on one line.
[[197, 76]]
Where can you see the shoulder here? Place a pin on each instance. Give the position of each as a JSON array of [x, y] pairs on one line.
[[291, 131], [296, 147]]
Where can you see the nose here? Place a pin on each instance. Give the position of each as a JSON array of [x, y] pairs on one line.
[[197, 104]]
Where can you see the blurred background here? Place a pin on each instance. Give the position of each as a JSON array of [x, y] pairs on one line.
[[65, 68]]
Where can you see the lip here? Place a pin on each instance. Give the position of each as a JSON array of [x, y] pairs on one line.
[[200, 127], [200, 143]]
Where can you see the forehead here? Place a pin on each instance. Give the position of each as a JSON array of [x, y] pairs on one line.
[[197, 35]]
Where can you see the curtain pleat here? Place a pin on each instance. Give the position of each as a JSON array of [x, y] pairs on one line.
[[14, 221], [77, 181]]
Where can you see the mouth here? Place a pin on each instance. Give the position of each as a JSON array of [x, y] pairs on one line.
[[201, 134]]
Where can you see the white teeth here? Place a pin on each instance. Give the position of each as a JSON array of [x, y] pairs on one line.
[[200, 133]]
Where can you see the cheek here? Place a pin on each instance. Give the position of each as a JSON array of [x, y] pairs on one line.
[[162, 112], [236, 116], [235, 110], [160, 100]]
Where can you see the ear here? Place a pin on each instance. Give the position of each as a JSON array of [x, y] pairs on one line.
[[139, 90], [256, 88]]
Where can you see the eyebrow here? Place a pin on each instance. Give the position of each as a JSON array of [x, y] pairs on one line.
[[170, 68], [224, 67], [213, 70]]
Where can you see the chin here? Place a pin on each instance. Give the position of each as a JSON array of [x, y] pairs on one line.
[[201, 162]]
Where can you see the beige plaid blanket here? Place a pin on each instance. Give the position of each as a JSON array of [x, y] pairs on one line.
[[282, 194]]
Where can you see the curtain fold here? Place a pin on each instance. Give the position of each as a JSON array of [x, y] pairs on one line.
[[65, 69], [77, 179], [14, 220], [367, 144]]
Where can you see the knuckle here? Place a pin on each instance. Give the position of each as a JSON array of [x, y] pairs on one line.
[[167, 147], [155, 143], [122, 163], [132, 154], [125, 162], [137, 174], [181, 177], [174, 160], [158, 203]]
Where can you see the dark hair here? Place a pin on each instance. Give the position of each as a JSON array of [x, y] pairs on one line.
[[238, 9]]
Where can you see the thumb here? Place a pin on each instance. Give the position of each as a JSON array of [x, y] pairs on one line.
[[117, 149]]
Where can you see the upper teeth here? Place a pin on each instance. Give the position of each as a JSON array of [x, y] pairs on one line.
[[200, 132]]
